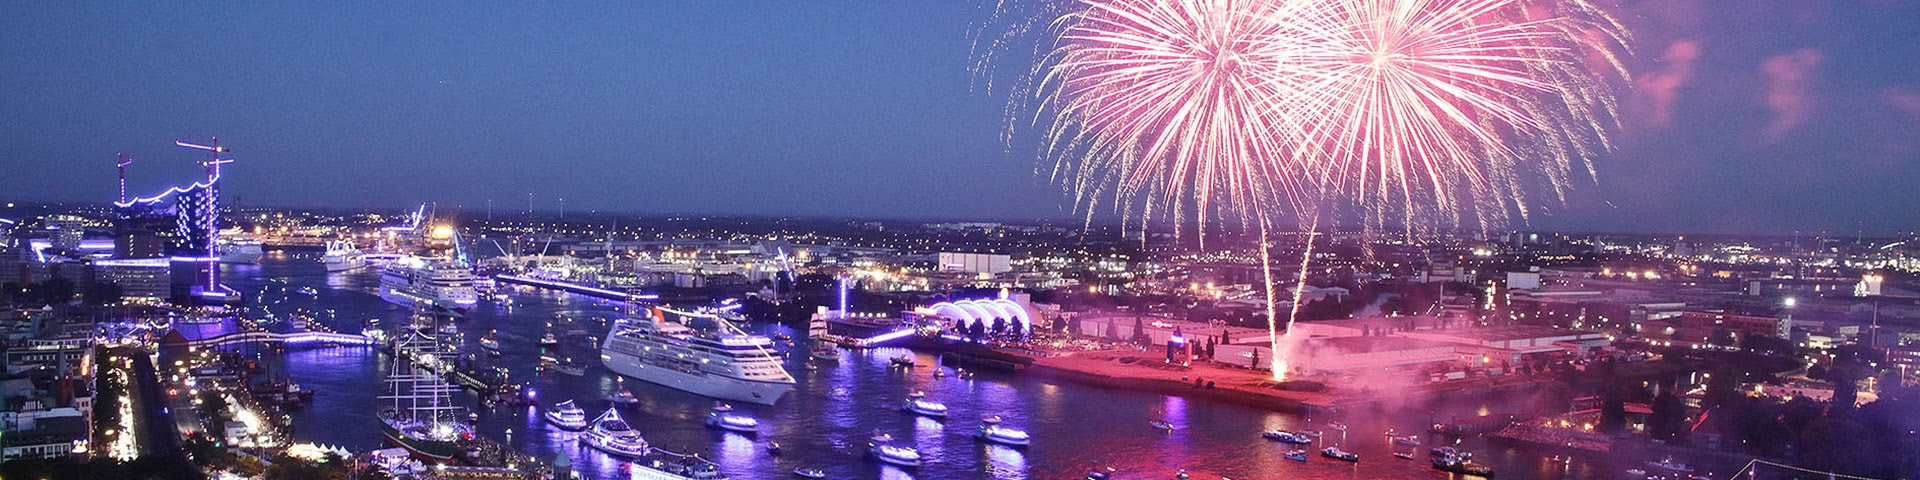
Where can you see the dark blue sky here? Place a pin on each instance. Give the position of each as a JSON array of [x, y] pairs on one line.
[[1771, 117]]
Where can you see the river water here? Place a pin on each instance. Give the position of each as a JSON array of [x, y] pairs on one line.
[[825, 422]]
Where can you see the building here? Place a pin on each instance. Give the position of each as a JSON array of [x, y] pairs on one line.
[[137, 277], [66, 231], [976, 263]]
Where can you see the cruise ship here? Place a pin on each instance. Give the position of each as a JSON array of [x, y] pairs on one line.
[[719, 365], [432, 283], [240, 250], [342, 256]]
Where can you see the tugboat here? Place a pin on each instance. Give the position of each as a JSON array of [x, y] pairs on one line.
[[881, 447], [925, 408], [567, 416], [1342, 455], [733, 423], [1284, 436], [991, 431], [611, 434]]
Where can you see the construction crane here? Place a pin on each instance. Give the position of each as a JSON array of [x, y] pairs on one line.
[[122, 165]]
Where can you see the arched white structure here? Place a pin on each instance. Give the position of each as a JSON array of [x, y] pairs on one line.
[[983, 311]]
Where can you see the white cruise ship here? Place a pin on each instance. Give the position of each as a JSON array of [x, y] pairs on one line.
[[434, 283], [719, 365], [342, 256], [241, 250]]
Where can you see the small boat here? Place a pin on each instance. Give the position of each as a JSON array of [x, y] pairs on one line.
[[1284, 436], [1444, 451], [782, 336], [1669, 465], [733, 423], [773, 448], [1100, 474], [566, 416], [1407, 440], [1342, 455], [804, 472], [991, 431], [1296, 455], [916, 394], [1405, 455], [722, 407], [622, 397], [567, 367], [549, 340], [1458, 465], [966, 374], [925, 408], [881, 447], [939, 373], [1162, 425], [825, 351], [491, 342], [902, 361], [1182, 475], [1637, 473]]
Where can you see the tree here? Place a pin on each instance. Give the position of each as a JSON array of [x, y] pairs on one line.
[[999, 326], [1613, 412], [1668, 421], [1226, 337], [1140, 330]]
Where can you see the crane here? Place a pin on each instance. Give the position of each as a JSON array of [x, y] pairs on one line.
[[122, 165]]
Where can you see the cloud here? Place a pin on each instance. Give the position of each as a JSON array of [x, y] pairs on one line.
[[1663, 86], [1900, 98], [1789, 94]]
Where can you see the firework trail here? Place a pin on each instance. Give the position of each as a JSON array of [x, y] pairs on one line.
[[1434, 113]]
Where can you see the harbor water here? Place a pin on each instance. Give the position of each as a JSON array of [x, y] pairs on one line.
[[826, 421]]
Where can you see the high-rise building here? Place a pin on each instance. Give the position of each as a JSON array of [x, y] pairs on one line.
[[66, 231]]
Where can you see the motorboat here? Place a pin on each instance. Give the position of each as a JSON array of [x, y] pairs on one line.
[[1161, 425], [805, 472], [491, 342], [1407, 440], [881, 447], [733, 423], [1296, 455], [825, 351], [992, 431], [609, 433], [916, 394], [902, 361], [1669, 465], [621, 397], [773, 448], [1405, 455], [1461, 466], [549, 340], [1284, 436], [1342, 455], [722, 407], [566, 416], [925, 407]]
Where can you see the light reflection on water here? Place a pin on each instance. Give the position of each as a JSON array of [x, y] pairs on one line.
[[826, 421]]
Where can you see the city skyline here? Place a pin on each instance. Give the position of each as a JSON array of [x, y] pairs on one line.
[[1770, 120]]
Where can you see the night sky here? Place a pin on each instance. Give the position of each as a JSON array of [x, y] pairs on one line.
[[1767, 116]]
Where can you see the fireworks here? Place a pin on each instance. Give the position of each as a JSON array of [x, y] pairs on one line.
[[1439, 113]]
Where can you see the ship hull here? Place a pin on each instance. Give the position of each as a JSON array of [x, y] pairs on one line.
[[426, 450], [724, 388], [397, 298]]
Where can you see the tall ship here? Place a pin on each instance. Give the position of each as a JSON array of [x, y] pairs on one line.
[[241, 250], [342, 256], [437, 284], [714, 363], [421, 418]]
